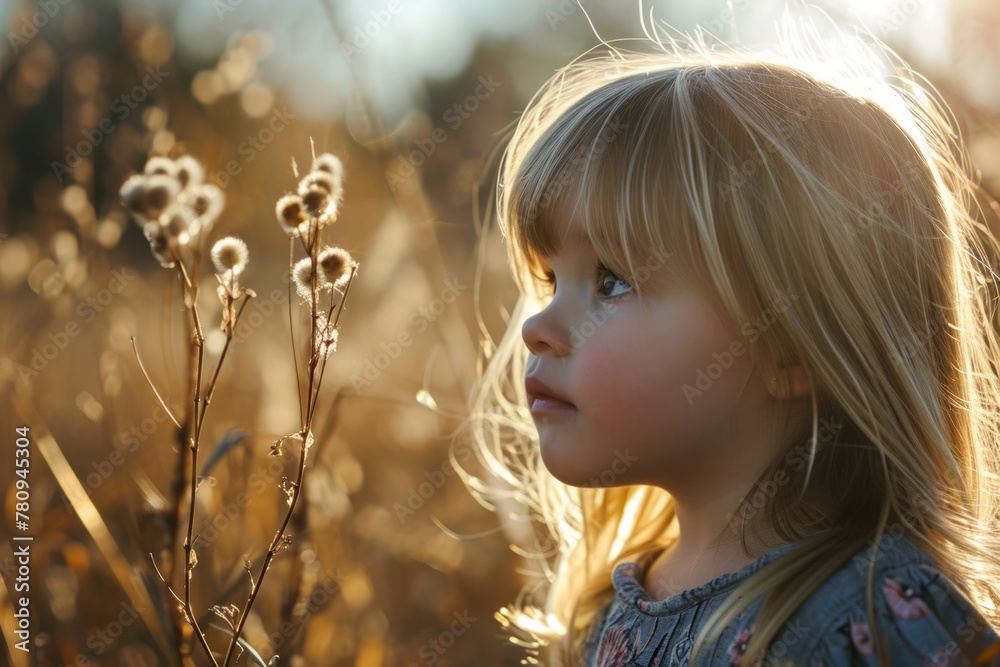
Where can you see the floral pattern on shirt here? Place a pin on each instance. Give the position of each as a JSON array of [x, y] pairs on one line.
[[614, 648], [739, 647], [902, 600], [921, 619], [861, 637]]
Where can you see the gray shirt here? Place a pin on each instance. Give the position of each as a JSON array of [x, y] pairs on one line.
[[928, 621]]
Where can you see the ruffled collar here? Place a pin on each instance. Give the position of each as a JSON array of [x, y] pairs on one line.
[[628, 589]]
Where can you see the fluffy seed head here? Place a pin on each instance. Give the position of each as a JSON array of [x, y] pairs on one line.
[[316, 201], [160, 191], [146, 197], [319, 179], [230, 254], [207, 202], [329, 163], [189, 171], [158, 244], [328, 168], [160, 165], [335, 266], [302, 277], [291, 213], [326, 337], [179, 224], [133, 194]]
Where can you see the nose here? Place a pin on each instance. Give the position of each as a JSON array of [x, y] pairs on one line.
[[543, 335]]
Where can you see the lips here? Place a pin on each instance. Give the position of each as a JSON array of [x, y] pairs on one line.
[[542, 399]]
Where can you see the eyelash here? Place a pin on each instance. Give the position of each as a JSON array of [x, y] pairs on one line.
[[602, 272]]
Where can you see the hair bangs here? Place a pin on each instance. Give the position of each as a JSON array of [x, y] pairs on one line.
[[608, 168]]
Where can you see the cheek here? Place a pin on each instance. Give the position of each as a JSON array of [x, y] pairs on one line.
[[679, 381]]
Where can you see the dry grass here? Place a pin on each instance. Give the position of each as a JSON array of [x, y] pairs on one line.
[[363, 582]]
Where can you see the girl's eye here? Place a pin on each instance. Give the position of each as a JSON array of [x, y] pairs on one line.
[[608, 282]]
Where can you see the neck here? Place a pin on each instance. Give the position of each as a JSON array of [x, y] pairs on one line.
[[710, 530], [709, 542]]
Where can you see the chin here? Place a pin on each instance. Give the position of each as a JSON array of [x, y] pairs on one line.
[[566, 467], [571, 474]]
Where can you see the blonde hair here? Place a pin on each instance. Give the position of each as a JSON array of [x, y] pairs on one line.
[[840, 176]]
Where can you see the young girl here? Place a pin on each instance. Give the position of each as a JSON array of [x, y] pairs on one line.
[[749, 395]]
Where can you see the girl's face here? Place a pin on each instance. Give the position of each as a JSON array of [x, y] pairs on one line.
[[656, 392]]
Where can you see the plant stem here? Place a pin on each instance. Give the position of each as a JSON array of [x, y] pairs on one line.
[[178, 486], [313, 352], [307, 405], [198, 342], [276, 544], [336, 320], [291, 334], [222, 357]]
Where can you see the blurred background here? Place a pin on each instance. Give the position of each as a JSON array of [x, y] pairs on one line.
[[393, 562]]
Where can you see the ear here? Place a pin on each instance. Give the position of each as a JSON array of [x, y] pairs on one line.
[[790, 383]]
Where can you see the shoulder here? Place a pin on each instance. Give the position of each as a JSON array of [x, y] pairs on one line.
[[923, 618]]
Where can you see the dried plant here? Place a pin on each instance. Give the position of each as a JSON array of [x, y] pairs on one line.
[[322, 280], [177, 211]]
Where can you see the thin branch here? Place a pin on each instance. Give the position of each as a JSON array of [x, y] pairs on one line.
[[291, 328], [313, 356], [178, 486], [169, 589], [151, 386], [254, 655], [198, 340], [222, 357], [343, 301]]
